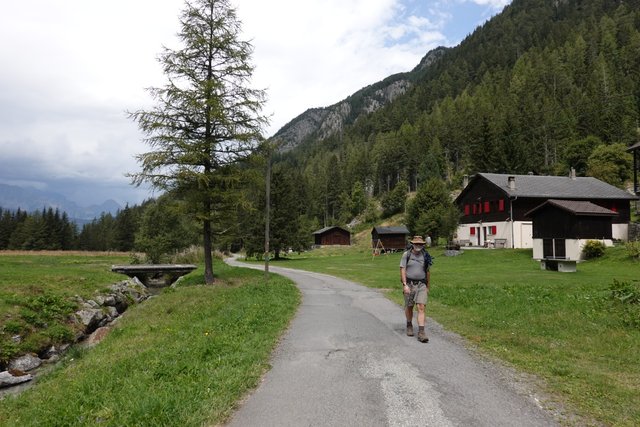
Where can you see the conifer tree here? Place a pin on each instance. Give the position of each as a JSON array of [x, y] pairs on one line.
[[206, 116]]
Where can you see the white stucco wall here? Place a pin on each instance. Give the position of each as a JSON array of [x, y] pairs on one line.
[[620, 232], [573, 248]]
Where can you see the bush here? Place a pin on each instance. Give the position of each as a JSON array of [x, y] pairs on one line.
[[192, 255], [625, 292], [626, 301], [633, 248], [593, 249]]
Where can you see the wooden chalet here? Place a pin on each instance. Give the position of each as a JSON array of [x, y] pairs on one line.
[[494, 206], [562, 227], [332, 236], [389, 238]]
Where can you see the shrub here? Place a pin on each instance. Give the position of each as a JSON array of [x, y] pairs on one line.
[[593, 249], [626, 301], [633, 249], [192, 255], [625, 292]]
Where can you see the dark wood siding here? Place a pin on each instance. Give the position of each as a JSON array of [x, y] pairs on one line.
[[335, 236], [481, 196], [389, 241], [553, 222]]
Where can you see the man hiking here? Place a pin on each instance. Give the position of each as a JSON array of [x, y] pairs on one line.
[[414, 274]]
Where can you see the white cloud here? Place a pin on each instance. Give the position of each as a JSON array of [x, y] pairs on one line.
[[495, 4], [71, 68]]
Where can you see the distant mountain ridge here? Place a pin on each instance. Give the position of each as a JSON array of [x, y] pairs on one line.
[[323, 122], [13, 197]]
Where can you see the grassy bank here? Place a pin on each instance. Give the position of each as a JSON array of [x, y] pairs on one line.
[[563, 327], [184, 357], [37, 290]]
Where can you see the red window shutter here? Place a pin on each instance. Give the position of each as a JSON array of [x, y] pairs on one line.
[[493, 229], [473, 231], [501, 205], [614, 208], [466, 209], [486, 207], [475, 208]]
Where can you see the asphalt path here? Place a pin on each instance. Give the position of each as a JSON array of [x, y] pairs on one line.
[[346, 361]]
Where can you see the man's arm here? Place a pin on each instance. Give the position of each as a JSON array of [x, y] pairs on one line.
[[428, 279]]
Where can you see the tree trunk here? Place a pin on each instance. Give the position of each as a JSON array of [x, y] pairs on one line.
[[208, 260]]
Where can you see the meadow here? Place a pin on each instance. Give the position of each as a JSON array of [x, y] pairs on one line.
[[184, 357], [572, 330], [190, 354]]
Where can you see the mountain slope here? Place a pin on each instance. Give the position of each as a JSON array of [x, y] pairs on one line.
[[321, 123]]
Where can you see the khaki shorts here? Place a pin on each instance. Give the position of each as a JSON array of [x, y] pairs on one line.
[[418, 294]]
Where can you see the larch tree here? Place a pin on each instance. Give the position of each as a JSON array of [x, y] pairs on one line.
[[206, 117]]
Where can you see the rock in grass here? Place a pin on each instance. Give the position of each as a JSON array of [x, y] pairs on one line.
[[25, 363], [8, 380]]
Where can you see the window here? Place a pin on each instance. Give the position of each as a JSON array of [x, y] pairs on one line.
[[486, 207], [501, 205], [472, 231], [492, 229], [475, 209]]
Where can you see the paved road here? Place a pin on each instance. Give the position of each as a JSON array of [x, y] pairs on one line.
[[345, 361]]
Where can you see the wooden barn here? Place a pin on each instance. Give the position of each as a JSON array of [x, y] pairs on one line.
[[332, 236], [389, 238], [562, 227], [493, 206]]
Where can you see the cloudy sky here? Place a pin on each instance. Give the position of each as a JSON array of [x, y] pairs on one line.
[[71, 68]]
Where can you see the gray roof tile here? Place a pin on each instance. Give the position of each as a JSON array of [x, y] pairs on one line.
[[392, 230], [558, 187], [576, 207]]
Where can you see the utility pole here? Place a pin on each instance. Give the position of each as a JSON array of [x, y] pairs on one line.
[[267, 214]]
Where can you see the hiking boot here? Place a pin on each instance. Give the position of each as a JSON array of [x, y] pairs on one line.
[[409, 330], [422, 337]]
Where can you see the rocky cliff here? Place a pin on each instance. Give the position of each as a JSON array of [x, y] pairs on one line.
[[321, 123]]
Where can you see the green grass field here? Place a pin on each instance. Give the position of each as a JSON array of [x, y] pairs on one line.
[[185, 357], [37, 290], [563, 327]]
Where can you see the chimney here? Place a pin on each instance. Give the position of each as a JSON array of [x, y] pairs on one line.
[[465, 181], [572, 173], [512, 182]]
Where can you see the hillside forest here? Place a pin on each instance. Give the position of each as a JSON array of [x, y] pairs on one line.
[[542, 87]]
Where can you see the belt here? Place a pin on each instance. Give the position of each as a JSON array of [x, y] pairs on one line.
[[417, 281]]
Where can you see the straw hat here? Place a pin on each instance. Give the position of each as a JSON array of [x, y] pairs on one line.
[[417, 240]]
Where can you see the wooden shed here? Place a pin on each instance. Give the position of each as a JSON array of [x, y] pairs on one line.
[[389, 238], [332, 236], [562, 227]]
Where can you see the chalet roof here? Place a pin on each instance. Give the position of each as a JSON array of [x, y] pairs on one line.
[[554, 187], [391, 230], [575, 207], [325, 229]]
